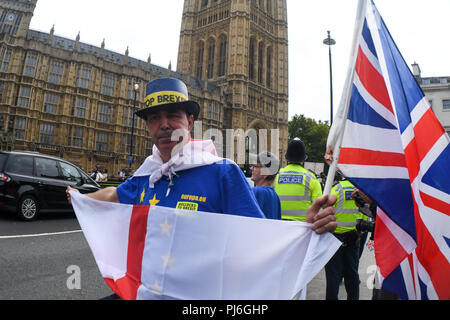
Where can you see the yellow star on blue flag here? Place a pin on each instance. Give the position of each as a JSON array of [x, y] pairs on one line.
[[142, 195], [154, 202]]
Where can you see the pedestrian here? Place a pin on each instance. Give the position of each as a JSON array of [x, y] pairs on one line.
[[296, 186], [105, 175], [186, 174], [368, 208], [263, 175], [168, 179], [99, 176], [93, 173], [122, 175], [212, 185], [345, 262]]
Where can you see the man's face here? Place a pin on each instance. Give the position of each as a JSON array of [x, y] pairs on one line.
[[257, 177], [164, 126]]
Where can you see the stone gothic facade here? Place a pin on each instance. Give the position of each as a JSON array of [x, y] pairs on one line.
[[242, 47], [63, 97]]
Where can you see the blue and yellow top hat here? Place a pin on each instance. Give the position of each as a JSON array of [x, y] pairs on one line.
[[168, 94]]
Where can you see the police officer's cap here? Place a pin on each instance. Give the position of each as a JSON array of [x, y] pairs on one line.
[[168, 94], [296, 151]]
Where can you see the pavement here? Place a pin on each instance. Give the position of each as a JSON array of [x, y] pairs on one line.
[[316, 288]]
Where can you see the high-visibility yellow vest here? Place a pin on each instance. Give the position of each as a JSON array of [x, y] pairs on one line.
[[345, 207], [297, 189]]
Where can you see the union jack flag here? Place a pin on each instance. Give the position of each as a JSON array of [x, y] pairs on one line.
[[370, 245], [389, 143]]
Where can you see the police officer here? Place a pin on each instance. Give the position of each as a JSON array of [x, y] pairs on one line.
[[345, 262], [296, 186]]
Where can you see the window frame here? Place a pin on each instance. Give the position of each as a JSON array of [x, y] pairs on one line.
[[51, 101], [101, 145], [13, 161], [30, 65], [108, 83], [79, 107], [446, 105], [36, 167], [20, 126], [200, 59], [75, 138], [211, 57], [67, 178], [55, 72], [104, 113], [5, 59], [260, 62], [83, 77], [222, 56], [23, 100], [47, 133]]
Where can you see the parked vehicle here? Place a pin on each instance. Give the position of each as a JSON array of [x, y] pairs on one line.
[[31, 182]]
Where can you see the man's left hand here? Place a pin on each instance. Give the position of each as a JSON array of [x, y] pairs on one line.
[[321, 214]]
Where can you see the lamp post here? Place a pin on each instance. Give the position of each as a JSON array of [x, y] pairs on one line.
[[330, 42], [247, 157], [130, 159]]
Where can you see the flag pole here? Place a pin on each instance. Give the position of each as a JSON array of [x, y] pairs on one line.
[[345, 104]]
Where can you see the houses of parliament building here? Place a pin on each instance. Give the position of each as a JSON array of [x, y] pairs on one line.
[[64, 97]]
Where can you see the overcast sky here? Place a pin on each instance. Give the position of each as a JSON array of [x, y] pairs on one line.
[[420, 29]]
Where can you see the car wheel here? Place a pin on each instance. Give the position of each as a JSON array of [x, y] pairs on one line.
[[28, 208]]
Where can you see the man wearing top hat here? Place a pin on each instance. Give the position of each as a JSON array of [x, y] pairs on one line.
[[187, 174]]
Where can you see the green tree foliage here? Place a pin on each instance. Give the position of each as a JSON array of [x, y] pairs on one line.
[[314, 135]]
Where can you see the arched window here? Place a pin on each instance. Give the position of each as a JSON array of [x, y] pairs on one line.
[[261, 4], [269, 67], [200, 54], [251, 59], [269, 7], [211, 55], [9, 22], [222, 56], [260, 62]]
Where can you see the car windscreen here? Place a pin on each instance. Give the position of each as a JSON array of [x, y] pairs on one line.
[[70, 173]]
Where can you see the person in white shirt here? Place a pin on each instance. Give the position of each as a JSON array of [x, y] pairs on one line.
[[105, 175], [99, 176]]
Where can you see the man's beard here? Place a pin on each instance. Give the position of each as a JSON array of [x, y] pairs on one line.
[[181, 136]]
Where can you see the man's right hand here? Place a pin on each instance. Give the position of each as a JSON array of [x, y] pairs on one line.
[[321, 214]]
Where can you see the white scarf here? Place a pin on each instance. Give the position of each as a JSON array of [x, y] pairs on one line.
[[194, 154]]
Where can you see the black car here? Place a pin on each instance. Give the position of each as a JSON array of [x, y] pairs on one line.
[[31, 182]]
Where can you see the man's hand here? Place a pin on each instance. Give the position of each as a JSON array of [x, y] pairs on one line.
[[107, 194], [68, 194], [321, 214]]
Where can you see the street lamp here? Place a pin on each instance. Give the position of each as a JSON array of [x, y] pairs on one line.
[[330, 42], [247, 157], [130, 159]]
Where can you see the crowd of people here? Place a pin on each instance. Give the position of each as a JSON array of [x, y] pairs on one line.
[[290, 193], [101, 175]]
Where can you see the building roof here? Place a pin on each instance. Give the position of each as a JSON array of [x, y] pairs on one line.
[[117, 58], [434, 80]]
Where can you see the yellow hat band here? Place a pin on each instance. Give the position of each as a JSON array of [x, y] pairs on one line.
[[164, 97]]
